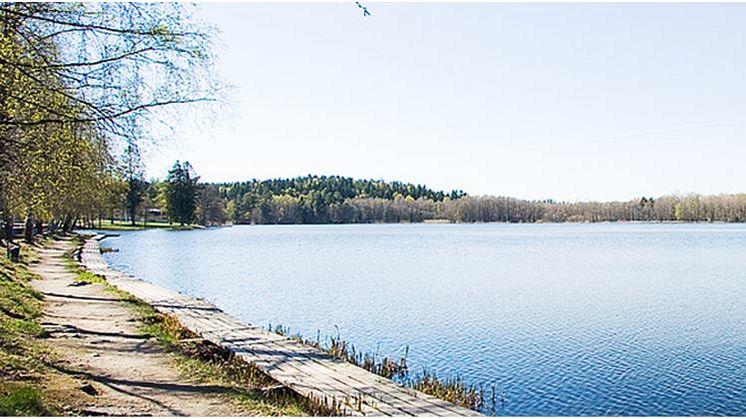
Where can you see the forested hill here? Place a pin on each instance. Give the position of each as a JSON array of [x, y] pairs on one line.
[[335, 199], [324, 199]]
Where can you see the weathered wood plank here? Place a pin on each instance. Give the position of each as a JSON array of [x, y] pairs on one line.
[[305, 369]]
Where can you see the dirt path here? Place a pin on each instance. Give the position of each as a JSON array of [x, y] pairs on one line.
[[121, 371]]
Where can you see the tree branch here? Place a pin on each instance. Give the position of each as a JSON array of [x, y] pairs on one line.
[[107, 117], [98, 27]]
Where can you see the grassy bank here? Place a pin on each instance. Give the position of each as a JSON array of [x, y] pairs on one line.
[[127, 226]]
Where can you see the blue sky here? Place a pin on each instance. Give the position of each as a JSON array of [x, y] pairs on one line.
[[564, 101]]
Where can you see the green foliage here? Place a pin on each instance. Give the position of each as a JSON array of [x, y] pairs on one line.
[[71, 89], [24, 400], [334, 199], [107, 225], [211, 207], [134, 197], [327, 199], [134, 177], [181, 193]]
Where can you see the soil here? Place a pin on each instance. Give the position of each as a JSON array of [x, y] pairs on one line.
[[108, 367]]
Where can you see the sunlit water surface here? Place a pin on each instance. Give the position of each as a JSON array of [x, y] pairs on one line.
[[601, 319]]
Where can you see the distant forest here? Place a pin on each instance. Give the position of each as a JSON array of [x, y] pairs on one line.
[[329, 199], [335, 199]]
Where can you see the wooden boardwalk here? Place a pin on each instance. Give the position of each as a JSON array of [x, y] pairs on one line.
[[306, 370]]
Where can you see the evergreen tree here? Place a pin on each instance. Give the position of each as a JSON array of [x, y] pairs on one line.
[[181, 193]]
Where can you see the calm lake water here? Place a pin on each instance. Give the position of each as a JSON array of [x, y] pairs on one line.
[[573, 319]]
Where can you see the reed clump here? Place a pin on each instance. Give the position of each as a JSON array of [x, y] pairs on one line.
[[453, 389]]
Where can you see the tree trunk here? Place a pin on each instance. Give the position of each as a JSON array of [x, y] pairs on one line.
[[66, 225], [28, 229], [8, 229]]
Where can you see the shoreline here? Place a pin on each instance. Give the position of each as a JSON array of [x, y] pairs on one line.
[[436, 223], [338, 385]]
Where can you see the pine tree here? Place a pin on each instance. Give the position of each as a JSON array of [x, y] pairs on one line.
[[181, 193]]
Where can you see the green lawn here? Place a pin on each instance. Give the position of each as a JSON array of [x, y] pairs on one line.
[[127, 226], [22, 356]]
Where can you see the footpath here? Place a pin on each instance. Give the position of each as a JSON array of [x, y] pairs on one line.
[[123, 371]]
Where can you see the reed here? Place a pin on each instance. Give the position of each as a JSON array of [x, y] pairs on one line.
[[451, 389]]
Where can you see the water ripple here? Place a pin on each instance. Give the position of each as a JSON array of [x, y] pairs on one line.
[[563, 319]]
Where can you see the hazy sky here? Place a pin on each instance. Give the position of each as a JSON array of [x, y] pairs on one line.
[[563, 101]]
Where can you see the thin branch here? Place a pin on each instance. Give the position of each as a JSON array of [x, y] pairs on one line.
[[112, 117], [98, 27], [88, 64], [62, 91]]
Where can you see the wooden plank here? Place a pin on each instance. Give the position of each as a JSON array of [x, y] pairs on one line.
[[278, 364], [361, 381]]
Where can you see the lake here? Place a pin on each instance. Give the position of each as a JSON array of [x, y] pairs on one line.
[[563, 319]]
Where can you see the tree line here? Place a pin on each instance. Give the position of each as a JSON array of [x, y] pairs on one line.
[[179, 198], [730, 208], [341, 200], [326, 205]]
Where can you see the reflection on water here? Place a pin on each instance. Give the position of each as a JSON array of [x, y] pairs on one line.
[[600, 319]]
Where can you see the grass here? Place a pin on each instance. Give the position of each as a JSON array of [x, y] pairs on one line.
[[24, 359], [452, 389], [127, 226], [341, 349], [21, 400], [205, 362], [210, 364]]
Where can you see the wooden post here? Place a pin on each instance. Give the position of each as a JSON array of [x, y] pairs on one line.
[[14, 252]]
